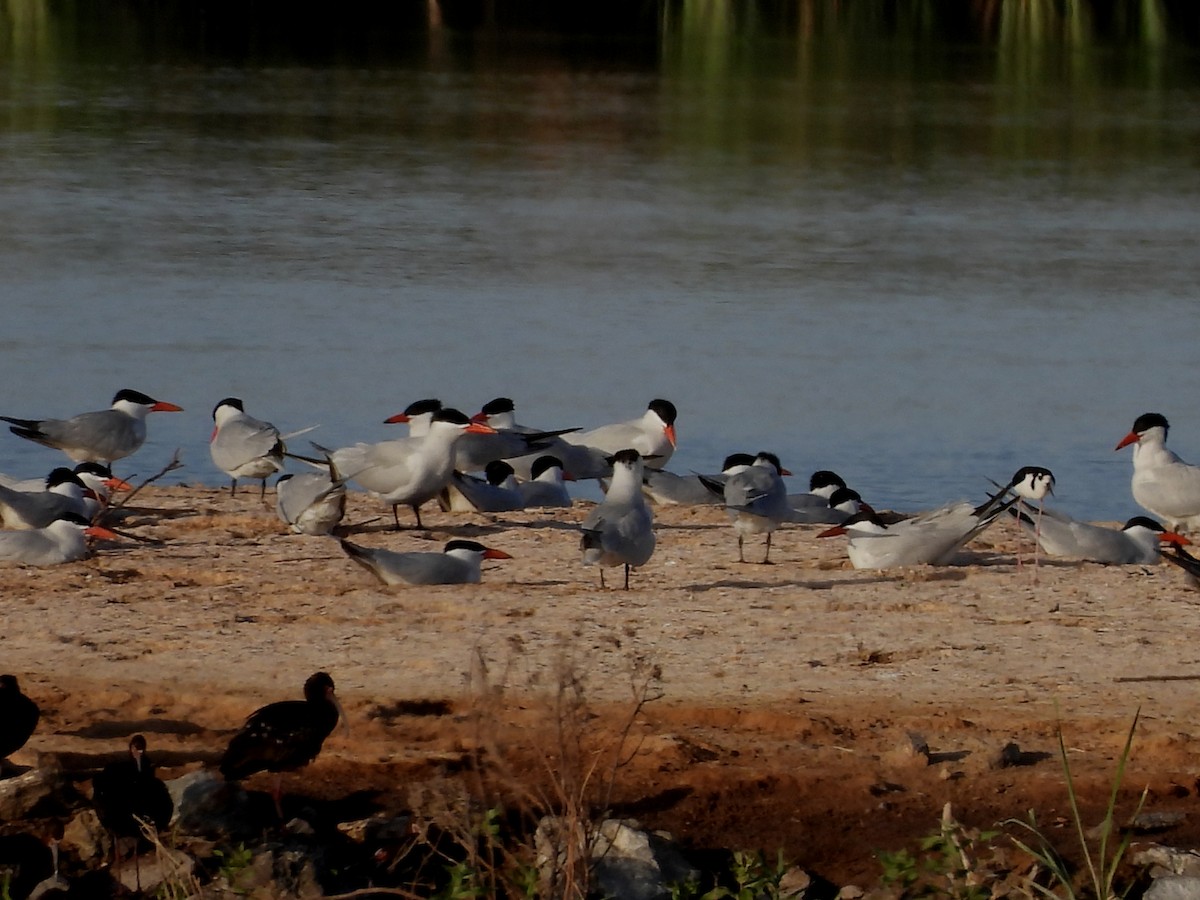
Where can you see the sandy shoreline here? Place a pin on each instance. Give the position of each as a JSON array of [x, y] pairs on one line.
[[764, 663]]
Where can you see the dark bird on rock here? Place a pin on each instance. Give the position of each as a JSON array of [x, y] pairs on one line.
[[18, 716], [284, 736], [129, 790]]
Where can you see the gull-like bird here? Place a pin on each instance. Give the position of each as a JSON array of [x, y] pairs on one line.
[[311, 502], [63, 492], [103, 436], [756, 499], [409, 471], [1137, 542], [620, 530], [418, 416], [63, 540], [546, 487], [669, 489], [1162, 483], [934, 537], [459, 563], [652, 435], [242, 446], [495, 492]]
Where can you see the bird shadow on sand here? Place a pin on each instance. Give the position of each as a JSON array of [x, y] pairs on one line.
[[738, 584], [123, 728]]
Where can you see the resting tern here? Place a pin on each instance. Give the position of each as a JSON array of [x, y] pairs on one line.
[[311, 502], [408, 471], [668, 489], [95, 476], [1136, 543], [934, 537], [242, 446], [459, 563], [652, 436], [619, 531], [545, 487], [841, 505], [510, 441], [1188, 563], [495, 492], [756, 499], [63, 540], [63, 492], [1162, 483], [417, 415], [102, 436], [821, 486]]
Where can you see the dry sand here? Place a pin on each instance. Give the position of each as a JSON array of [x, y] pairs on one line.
[[790, 693]]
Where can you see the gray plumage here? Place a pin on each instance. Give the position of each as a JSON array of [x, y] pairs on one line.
[[619, 531]]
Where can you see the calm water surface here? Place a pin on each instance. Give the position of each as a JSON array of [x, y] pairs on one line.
[[920, 274]]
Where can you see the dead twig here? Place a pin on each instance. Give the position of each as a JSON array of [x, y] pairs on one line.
[[174, 464]]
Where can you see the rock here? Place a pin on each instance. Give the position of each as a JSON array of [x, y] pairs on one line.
[[1151, 822], [1168, 861], [206, 805], [85, 837], [20, 795], [1174, 887], [1012, 755], [161, 867]]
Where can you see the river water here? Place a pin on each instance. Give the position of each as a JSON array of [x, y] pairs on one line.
[[919, 267]]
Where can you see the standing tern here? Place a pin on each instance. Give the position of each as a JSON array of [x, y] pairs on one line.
[[652, 436], [1162, 483], [63, 492], [242, 446], [1138, 541], [311, 502], [459, 563], [934, 537], [103, 436], [63, 540], [756, 499], [496, 492], [545, 487], [408, 471], [619, 531]]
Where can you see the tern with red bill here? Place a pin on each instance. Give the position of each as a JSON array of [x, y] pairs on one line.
[[408, 471], [1137, 542], [63, 540], [417, 416], [652, 435], [63, 492], [102, 436], [1163, 484], [461, 562]]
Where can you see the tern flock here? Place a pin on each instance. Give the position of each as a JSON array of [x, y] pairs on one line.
[[491, 463]]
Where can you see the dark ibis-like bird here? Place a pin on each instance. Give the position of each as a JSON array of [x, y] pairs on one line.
[[18, 716], [284, 736], [129, 790]]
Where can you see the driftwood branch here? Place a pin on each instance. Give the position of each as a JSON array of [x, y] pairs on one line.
[[1129, 678], [174, 464]]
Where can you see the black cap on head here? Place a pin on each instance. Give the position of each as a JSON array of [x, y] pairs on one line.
[[844, 495], [542, 463], [133, 397], [1146, 421], [473, 546], [75, 519], [450, 415], [497, 471], [499, 405], [665, 410], [61, 475], [93, 468], [737, 459], [628, 457], [767, 456], [1145, 522], [229, 401], [420, 407], [823, 478]]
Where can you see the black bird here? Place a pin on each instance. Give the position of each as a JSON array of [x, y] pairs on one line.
[[128, 790], [18, 716], [284, 736]]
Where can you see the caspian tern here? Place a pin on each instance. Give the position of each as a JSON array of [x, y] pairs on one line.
[[934, 537], [496, 492], [408, 471], [459, 563], [652, 436], [417, 415], [669, 489], [102, 436], [63, 540], [1137, 542], [1162, 483], [311, 502], [821, 486], [545, 489], [756, 499], [242, 446], [511, 440], [619, 531], [95, 476], [63, 492], [841, 505]]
